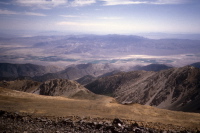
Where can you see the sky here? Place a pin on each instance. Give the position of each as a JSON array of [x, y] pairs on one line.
[[101, 16]]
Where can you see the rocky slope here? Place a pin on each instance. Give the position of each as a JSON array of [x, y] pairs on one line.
[[86, 79], [21, 85], [56, 87], [109, 85], [66, 88], [175, 89]]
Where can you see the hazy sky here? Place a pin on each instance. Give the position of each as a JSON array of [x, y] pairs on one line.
[[101, 16]]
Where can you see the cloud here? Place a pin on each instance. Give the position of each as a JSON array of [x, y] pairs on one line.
[[68, 23], [82, 2], [110, 18], [169, 2], [4, 3], [45, 4], [97, 26], [122, 2], [70, 16], [34, 14], [129, 2], [103, 18], [48, 4], [7, 12]]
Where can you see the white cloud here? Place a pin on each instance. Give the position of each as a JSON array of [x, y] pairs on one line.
[[68, 23], [48, 4], [4, 3], [122, 2], [129, 2], [82, 2], [45, 4], [169, 1], [34, 14], [7, 12], [110, 18], [104, 27], [70, 16]]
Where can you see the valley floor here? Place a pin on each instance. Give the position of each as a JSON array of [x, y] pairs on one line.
[[102, 108]]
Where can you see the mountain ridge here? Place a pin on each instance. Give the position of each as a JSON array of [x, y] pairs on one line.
[[175, 88], [23, 70]]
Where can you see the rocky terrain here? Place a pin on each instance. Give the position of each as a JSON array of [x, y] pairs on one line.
[[108, 85], [24, 123], [86, 79], [54, 87], [21, 85], [175, 88], [64, 87]]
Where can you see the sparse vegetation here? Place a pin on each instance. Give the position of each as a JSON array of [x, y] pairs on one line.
[[102, 107]]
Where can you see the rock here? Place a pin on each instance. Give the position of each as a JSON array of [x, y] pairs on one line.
[[12, 122], [135, 125], [117, 122]]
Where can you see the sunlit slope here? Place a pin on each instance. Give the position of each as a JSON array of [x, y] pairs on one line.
[[103, 107]]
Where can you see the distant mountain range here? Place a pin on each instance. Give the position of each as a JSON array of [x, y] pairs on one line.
[[74, 72], [8, 70], [152, 67], [78, 49], [40, 73], [78, 71]]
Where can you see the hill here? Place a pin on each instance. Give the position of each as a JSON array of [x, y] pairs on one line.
[[65, 88], [55, 87], [175, 88]]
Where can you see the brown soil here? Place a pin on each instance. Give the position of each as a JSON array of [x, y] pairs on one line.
[[103, 107]]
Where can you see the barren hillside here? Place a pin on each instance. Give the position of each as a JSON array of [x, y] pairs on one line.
[[175, 88], [104, 107]]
